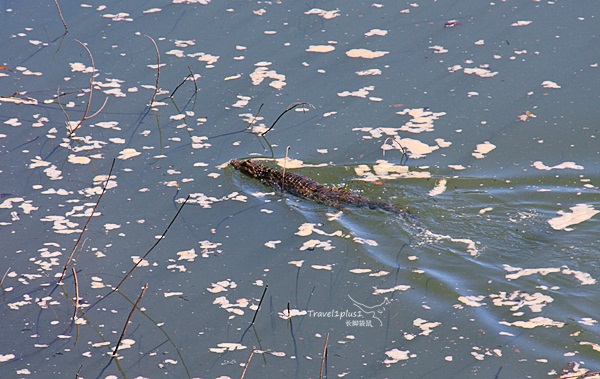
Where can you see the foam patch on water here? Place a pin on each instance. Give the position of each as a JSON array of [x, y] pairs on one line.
[[579, 213]]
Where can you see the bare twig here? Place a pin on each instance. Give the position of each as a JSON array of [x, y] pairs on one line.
[[160, 327], [255, 313], [87, 107], [129, 318], [287, 150], [259, 303], [61, 16], [6, 273], [254, 118], [194, 80], [179, 85], [99, 110], [76, 293], [403, 156], [89, 101], [248, 362], [324, 356], [87, 222], [58, 95], [76, 303], [289, 108], [4, 277], [190, 75], [157, 69], [153, 246]]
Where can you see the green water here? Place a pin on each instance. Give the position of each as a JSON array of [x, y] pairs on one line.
[[482, 280]]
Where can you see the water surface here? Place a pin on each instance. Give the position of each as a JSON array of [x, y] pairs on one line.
[[494, 105]]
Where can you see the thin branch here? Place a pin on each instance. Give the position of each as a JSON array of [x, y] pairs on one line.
[[248, 362], [87, 222], [255, 117], [194, 80], [255, 313], [289, 108], [129, 318], [89, 102], [259, 303], [179, 85], [324, 356], [167, 336], [287, 150], [61, 16], [58, 95], [6, 273], [76, 293], [193, 76], [157, 68], [153, 246], [99, 110], [2, 281], [403, 156]]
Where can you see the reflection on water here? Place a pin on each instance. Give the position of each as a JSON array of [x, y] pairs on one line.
[[492, 274]]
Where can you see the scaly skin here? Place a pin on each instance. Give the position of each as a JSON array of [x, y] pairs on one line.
[[302, 186]]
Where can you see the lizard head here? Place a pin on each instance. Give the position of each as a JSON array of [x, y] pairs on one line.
[[248, 167]]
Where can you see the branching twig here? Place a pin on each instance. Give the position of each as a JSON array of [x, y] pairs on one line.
[[87, 222], [129, 318], [61, 16], [157, 69], [289, 108], [153, 246]]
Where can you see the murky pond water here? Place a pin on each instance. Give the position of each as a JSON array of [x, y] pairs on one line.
[[481, 118]]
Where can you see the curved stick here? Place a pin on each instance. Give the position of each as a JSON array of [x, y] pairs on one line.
[[289, 108]]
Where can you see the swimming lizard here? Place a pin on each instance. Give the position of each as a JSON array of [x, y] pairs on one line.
[[307, 188]]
